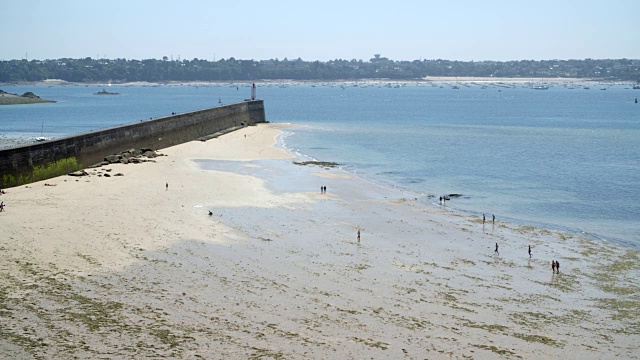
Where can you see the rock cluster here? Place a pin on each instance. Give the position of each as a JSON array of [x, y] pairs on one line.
[[131, 156]]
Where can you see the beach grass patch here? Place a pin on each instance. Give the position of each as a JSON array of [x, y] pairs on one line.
[[56, 168]]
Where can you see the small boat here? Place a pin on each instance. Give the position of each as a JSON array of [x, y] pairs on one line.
[[586, 88], [540, 88], [603, 89]]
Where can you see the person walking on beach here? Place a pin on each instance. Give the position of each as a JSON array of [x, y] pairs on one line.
[[529, 251], [494, 219], [1, 206], [557, 267], [167, 187], [358, 236], [553, 266], [483, 219], [497, 249]]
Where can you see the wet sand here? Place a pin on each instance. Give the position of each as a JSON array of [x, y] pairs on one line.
[[121, 267]]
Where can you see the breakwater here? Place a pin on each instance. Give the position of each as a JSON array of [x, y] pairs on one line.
[[39, 161]]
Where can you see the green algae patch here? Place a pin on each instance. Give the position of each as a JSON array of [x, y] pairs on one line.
[[372, 343], [95, 314], [493, 328], [624, 309], [539, 339], [496, 350]]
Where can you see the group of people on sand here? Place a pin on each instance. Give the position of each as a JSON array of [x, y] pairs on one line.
[[493, 220], [555, 265], [323, 189]]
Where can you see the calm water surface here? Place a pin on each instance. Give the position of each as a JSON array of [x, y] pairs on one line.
[[561, 158]]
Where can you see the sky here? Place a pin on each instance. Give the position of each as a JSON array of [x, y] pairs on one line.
[[320, 30]]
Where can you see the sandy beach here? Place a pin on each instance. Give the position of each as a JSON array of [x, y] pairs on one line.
[[134, 266]]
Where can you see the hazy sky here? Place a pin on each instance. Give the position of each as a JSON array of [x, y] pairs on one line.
[[320, 30]]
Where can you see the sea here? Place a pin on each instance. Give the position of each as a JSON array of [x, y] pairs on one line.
[[564, 158]]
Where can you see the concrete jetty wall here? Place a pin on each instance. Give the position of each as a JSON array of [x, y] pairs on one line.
[[55, 157]]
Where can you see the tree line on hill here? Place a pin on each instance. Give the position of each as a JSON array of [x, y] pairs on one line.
[[378, 67]]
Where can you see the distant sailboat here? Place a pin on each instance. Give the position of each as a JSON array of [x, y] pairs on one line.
[[41, 138]]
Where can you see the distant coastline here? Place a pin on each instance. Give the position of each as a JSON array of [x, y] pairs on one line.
[[425, 80]]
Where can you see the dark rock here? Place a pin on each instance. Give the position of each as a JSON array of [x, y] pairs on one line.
[[318, 163], [79, 173], [124, 161], [149, 154], [119, 174], [112, 158], [455, 195], [106, 175], [107, 170]]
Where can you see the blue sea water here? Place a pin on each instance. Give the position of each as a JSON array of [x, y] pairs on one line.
[[560, 158]]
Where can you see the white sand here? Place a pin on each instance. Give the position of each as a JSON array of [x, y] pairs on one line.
[[122, 268]]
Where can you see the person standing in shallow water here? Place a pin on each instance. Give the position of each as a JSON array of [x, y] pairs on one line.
[[483, 219], [358, 236], [553, 266], [557, 267], [529, 251]]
